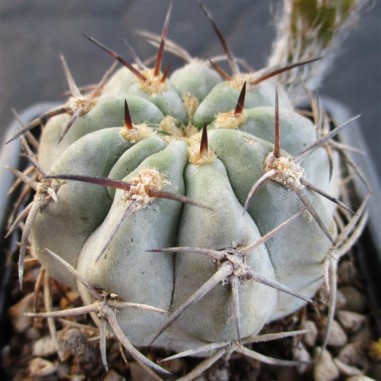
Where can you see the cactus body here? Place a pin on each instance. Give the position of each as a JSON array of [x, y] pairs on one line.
[[80, 224]]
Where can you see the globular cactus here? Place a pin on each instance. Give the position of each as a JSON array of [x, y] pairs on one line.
[[195, 202]]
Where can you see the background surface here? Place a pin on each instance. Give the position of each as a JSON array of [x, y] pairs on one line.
[[34, 33]]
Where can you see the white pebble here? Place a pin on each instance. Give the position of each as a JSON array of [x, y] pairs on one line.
[[324, 369], [351, 321]]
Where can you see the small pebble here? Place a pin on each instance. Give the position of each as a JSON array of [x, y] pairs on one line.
[[63, 370], [310, 337], [138, 373], [353, 354], [341, 301], [113, 376], [39, 367], [337, 336], [347, 272], [69, 299], [44, 347], [78, 377], [354, 299], [364, 335], [72, 340], [218, 374], [33, 333], [301, 354], [351, 321], [19, 321], [324, 368], [347, 370]]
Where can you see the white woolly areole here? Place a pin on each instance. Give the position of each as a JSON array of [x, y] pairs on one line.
[[137, 133], [153, 84], [190, 104], [47, 190], [230, 120], [170, 126], [288, 173], [238, 80], [194, 154], [81, 104], [148, 179]]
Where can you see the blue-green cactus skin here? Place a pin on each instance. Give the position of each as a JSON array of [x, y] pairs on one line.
[[79, 225]]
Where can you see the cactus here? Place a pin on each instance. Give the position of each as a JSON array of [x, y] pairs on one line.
[[201, 204]]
